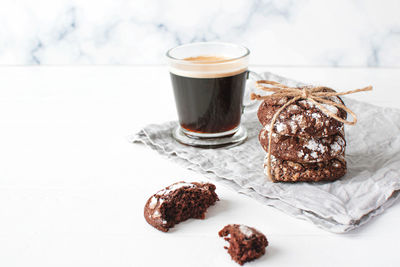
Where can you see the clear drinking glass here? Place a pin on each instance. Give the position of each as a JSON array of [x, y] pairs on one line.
[[209, 82]]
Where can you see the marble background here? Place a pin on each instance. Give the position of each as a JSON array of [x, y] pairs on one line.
[[278, 32]]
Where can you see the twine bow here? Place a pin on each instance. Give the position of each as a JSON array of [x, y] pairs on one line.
[[318, 95]]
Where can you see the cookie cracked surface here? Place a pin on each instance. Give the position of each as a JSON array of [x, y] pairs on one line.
[[289, 171], [302, 118], [303, 150]]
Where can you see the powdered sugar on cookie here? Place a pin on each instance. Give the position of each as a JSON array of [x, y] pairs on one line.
[[246, 230]]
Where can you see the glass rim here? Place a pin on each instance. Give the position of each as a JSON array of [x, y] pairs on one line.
[[170, 57]]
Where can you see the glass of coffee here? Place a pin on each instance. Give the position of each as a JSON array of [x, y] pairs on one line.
[[209, 82]]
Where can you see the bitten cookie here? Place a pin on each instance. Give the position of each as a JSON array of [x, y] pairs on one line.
[[303, 150], [179, 202], [302, 118], [289, 171], [245, 243]]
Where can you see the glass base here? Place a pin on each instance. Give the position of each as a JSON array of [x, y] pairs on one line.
[[230, 140]]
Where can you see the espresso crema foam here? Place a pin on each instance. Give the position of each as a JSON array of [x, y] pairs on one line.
[[206, 66]]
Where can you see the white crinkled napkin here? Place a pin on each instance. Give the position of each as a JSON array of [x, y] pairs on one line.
[[370, 186]]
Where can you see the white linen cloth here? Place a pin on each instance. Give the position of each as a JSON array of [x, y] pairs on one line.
[[370, 186]]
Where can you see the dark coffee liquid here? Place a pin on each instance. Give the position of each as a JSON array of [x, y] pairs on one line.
[[209, 105]]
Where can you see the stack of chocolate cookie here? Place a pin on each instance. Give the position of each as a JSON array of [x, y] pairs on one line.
[[307, 145]]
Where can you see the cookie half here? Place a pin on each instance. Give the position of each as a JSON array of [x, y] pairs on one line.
[[302, 118], [290, 171], [245, 243], [303, 150], [179, 202]]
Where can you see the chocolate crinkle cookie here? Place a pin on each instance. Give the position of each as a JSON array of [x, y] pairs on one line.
[[303, 150], [179, 202], [245, 243], [307, 145], [302, 118], [290, 171]]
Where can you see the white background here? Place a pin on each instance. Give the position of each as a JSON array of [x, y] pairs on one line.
[[72, 188]]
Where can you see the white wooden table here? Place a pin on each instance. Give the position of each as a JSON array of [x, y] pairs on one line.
[[72, 189]]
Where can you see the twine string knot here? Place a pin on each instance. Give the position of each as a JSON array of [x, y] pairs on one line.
[[306, 93]]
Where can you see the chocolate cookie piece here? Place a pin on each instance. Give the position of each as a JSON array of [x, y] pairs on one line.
[[245, 243], [289, 171], [303, 150], [179, 202], [302, 118]]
